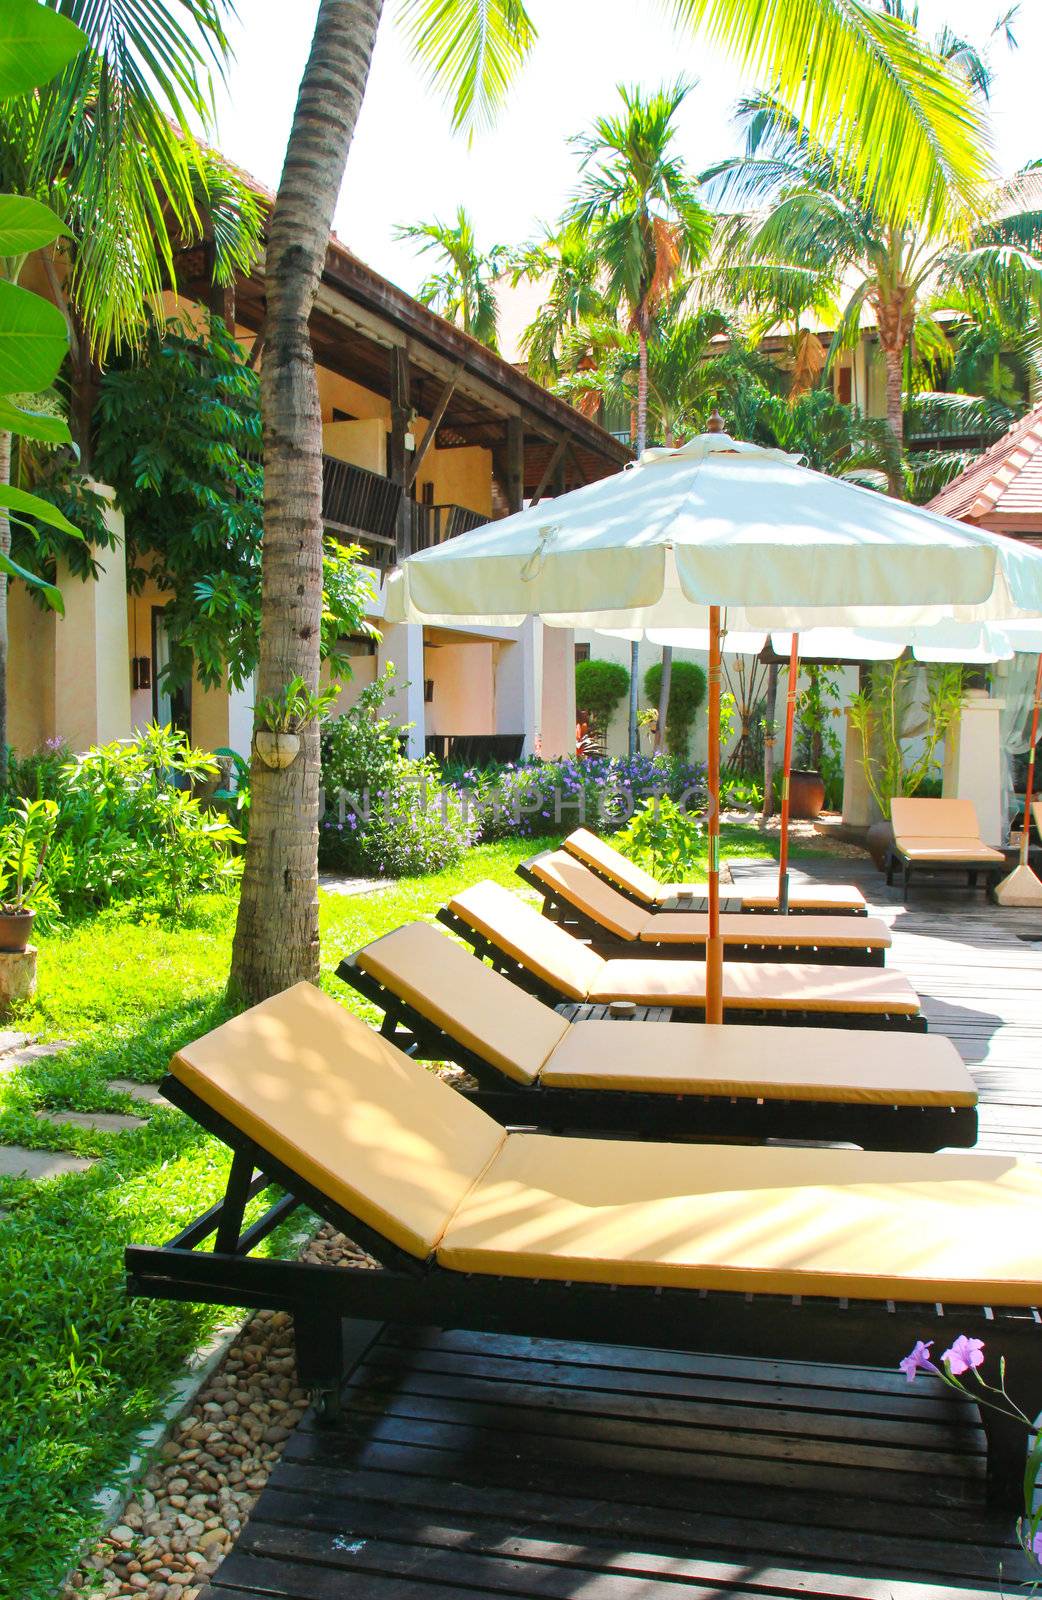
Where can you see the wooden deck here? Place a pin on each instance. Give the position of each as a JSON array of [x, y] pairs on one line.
[[479, 1465]]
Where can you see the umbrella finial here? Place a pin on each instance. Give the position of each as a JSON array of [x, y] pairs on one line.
[[715, 423]]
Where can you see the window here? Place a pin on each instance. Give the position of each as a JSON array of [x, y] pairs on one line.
[[845, 385], [582, 653]]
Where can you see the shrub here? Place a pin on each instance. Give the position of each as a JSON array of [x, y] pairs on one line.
[[599, 686], [412, 825], [687, 692], [603, 792], [663, 838], [362, 749], [129, 828]]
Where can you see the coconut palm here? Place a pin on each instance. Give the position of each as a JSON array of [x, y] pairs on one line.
[[815, 236], [463, 289], [893, 117]]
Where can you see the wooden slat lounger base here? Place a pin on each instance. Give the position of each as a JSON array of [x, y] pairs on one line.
[[411, 1293]]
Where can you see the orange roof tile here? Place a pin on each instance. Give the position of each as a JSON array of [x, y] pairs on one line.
[[1006, 481]]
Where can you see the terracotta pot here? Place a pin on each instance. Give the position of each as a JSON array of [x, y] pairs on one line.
[[277, 749], [879, 838], [15, 930], [806, 795]]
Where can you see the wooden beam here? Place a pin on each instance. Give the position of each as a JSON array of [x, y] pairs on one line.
[[555, 461], [437, 414], [515, 464], [398, 462]]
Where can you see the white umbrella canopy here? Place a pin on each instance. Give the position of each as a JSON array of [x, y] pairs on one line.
[[719, 524]]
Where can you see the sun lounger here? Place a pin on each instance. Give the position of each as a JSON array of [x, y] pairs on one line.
[[579, 899], [838, 1256], [939, 836], [649, 1079], [610, 864], [552, 963]]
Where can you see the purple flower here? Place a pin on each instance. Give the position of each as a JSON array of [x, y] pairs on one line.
[[964, 1354], [918, 1360], [1035, 1547]]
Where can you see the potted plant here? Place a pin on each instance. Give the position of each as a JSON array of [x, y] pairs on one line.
[[887, 714], [816, 707], [280, 717], [24, 842]]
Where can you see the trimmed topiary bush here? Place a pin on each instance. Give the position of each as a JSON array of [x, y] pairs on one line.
[[687, 692], [599, 686]]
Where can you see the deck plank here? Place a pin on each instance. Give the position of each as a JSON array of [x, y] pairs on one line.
[[473, 1464]]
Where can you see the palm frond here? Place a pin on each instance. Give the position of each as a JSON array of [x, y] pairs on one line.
[[903, 126], [471, 50]]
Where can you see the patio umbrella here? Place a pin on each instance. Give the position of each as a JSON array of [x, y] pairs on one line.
[[715, 524]]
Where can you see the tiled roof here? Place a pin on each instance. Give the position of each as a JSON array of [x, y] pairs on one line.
[[1006, 481]]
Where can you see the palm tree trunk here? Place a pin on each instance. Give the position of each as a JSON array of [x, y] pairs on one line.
[[5, 547], [642, 391], [276, 935], [895, 409]]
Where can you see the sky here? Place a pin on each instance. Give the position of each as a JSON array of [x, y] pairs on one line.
[[407, 166]]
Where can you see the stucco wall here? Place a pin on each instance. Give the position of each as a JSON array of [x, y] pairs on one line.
[[362, 443], [30, 677]]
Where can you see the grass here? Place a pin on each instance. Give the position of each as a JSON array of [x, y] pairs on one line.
[[82, 1367]]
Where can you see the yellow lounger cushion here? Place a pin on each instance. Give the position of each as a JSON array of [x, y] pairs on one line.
[[851, 1068], [573, 882], [827, 933], [345, 1110], [933, 848], [960, 1228], [808, 896], [519, 930], [758, 986], [929, 818], [474, 1005], [604, 858]]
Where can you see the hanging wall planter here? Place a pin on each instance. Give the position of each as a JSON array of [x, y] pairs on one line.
[[277, 750]]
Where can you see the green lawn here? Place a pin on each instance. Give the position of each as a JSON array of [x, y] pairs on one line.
[[81, 1366]]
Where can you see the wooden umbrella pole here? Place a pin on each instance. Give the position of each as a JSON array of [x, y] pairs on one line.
[[790, 718], [714, 944], [1025, 837]]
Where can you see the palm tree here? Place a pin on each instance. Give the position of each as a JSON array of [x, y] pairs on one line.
[[463, 290], [893, 117], [815, 234], [566, 264]]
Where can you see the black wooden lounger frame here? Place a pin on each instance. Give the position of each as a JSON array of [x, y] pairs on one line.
[[989, 871], [729, 893], [423, 1294], [502, 961], [568, 915], [646, 1115]]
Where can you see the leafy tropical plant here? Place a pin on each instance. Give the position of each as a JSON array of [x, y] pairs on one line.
[[889, 713], [25, 839], [599, 686], [362, 749], [463, 288], [687, 695], [294, 707], [567, 266], [663, 838], [179, 439], [129, 826]]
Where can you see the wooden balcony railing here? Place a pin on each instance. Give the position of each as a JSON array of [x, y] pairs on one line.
[[363, 507]]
